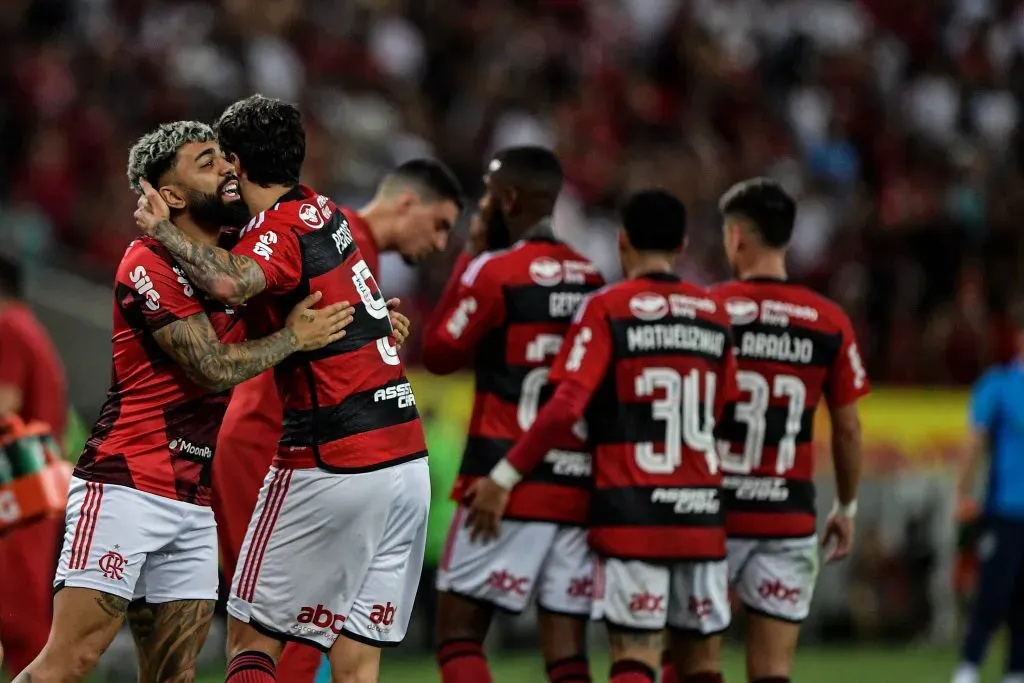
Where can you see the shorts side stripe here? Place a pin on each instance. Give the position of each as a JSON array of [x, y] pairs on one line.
[[453, 532], [85, 529], [257, 535], [279, 504], [261, 538]]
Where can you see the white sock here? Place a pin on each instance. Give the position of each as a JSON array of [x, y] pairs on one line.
[[966, 673], [1013, 678]]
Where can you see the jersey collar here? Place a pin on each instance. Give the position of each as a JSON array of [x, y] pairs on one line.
[[296, 194], [767, 278]]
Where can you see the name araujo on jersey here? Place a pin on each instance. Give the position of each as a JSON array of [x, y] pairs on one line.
[[783, 347]]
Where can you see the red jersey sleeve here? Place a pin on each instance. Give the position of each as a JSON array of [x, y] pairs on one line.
[[468, 311], [587, 351], [847, 381], [160, 292], [273, 245]]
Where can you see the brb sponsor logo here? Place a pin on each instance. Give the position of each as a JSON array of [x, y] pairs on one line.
[[646, 603], [459, 320], [382, 617], [181, 446], [145, 287], [699, 607], [315, 619], [774, 589], [504, 581], [400, 392]]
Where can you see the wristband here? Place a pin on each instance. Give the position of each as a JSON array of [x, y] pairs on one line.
[[505, 475], [849, 510]]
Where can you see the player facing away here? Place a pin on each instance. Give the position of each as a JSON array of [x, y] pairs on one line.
[[335, 546], [505, 314], [138, 521], [412, 214], [794, 348], [649, 362]]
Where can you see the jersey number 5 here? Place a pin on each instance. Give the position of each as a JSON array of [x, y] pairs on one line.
[[752, 413], [680, 411]]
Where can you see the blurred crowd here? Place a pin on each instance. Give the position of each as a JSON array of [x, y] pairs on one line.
[[894, 123]]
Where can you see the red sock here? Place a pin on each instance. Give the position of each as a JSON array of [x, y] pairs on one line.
[[668, 669], [703, 677], [631, 671], [570, 670], [251, 667], [462, 661]]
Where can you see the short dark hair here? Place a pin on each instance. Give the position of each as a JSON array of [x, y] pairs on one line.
[[764, 203], [431, 179], [268, 137], [654, 220], [532, 169], [156, 152]]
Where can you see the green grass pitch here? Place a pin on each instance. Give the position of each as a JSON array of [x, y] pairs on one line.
[[814, 665]]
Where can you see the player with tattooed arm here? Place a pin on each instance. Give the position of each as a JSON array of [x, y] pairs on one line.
[[649, 362], [505, 314], [334, 550], [793, 348], [138, 521]]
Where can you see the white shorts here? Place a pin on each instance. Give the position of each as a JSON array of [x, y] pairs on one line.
[[548, 559], [134, 544], [687, 596], [331, 554], [775, 577]]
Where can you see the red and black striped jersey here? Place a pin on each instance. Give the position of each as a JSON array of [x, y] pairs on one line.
[[510, 315], [157, 430], [348, 407], [656, 355], [793, 347]]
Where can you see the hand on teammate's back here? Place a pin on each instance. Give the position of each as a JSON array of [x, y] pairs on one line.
[[399, 322], [152, 209], [316, 329], [838, 528], [486, 502]]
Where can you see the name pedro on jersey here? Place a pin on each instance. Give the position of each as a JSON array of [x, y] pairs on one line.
[[675, 336]]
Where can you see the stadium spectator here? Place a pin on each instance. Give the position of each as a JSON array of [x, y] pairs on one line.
[[893, 124]]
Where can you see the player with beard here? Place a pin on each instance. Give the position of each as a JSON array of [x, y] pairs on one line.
[[794, 348], [334, 550], [412, 214], [138, 523], [504, 314]]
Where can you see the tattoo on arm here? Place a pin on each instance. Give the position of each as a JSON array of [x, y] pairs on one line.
[[111, 604], [228, 277], [169, 637], [193, 344]]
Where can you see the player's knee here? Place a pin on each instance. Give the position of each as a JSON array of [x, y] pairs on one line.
[[461, 619], [71, 663], [701, 654], [354, 663]]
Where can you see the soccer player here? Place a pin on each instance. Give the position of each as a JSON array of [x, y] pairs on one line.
[[505, 314], [413, 212], [997, 426], [649, 362], [334, 550], [793, 348], [138, 519]]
